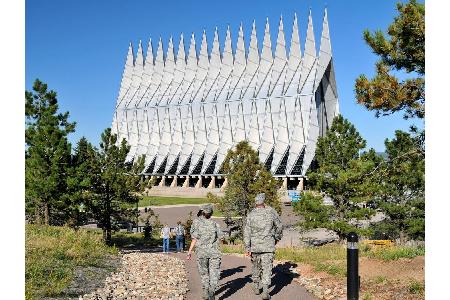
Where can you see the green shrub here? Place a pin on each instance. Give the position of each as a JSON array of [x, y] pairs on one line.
[[416, 287]]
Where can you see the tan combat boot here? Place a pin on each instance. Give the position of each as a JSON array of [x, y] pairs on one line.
[[265, 294], [256, 288], [205, 294], [212, 294]]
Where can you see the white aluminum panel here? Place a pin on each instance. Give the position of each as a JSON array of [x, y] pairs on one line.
[[134, 86], [188, 136], [282, 139], [182, 95], [275, 106], [253, 134], [279, 64], [250, 81], [294, 63], [162, 98], [175, 110], [121, 115], [213, 139], [325, 50], [213, 72], [146, 77], [154, 140], [177, 139], [166, 140], [114, 124], [297, 138], [239, 133], [309, 56], [136, 83], [133, 137], [267, 139], [313, 135], [157, 76], [330, 100], [226, 141], [202, 72], [123, 125], [179, 72], [201, 139], [237, 83], [198, 119], [126, 77], [308, 90], [264, 71], [290, 103], [226, 70], [144, 136], [277, 79], [332, 79], [233, 107], [251, 70]]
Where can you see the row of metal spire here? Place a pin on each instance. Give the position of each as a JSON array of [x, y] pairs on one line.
[[240, 52]]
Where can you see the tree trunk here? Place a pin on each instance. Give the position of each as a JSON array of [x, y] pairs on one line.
[[46, 214], [37, 215], [108, 222]]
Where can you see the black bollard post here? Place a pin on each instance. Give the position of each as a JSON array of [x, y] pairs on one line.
[[352, 267]]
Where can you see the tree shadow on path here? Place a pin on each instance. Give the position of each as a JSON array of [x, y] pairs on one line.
[[229, 272], [282, 277], [231, 287]]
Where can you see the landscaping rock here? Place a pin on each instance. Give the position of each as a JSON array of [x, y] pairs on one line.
[[145, 276]]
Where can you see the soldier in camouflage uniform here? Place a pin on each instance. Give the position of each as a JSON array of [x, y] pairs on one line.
[[205, 235], [263, 228]]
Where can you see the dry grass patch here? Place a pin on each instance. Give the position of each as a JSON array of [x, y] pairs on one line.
[[53, 253]]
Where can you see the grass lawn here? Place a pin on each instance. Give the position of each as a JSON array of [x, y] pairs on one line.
[[158, 201], [53, 253]]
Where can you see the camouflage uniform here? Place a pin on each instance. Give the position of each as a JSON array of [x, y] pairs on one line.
[[263, 228], [207, 233]]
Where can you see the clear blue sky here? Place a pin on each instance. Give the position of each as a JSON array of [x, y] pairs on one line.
[[79, 47]]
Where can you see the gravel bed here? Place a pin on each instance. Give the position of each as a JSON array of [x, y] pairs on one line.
[[144, 276]]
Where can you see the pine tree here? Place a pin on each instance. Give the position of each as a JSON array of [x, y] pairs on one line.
[[401, 177], [135, 179], [342, 175], [403, 50], [110, 193], [79, 180], [401, 180], [47, 156], [247, 177]]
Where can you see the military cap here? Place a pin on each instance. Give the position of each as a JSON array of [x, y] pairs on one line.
[[207, 208], [259, 199]]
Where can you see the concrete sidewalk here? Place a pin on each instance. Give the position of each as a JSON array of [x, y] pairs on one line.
[[235, 282]]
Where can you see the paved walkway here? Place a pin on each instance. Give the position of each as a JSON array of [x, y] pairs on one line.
[[235, 282]]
